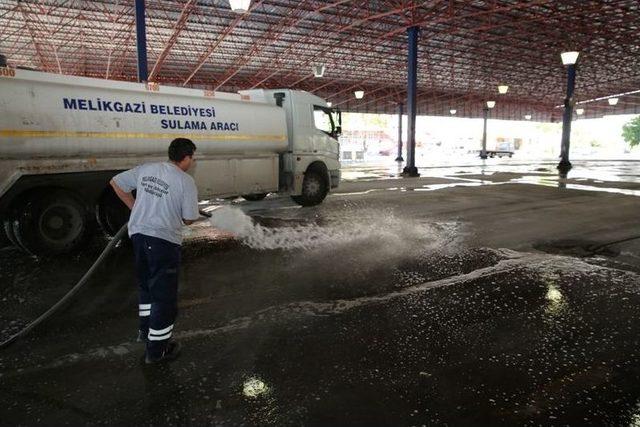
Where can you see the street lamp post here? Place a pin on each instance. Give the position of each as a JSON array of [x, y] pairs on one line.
[[400, 112], [569, 59], [485, 111]]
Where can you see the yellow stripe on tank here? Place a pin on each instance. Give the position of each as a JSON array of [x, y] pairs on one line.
[[133, 135]]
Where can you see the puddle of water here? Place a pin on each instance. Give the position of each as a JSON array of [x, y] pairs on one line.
[[561, 183], [434, 187]]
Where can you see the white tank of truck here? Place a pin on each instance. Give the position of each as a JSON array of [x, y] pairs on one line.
[[62, 139]]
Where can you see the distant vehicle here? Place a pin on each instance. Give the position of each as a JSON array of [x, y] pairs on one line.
[[499, 154], [502, 149]]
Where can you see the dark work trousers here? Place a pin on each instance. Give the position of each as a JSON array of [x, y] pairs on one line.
[[157, 266]]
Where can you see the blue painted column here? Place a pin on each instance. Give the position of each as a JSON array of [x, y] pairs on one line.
[[483, 152], [141, 41], [410, 168], [565, 164], [400, 112]]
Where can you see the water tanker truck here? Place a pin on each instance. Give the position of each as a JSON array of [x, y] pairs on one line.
[[62, 139]]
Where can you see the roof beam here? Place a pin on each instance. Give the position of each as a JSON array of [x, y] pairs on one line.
[[188, 7]]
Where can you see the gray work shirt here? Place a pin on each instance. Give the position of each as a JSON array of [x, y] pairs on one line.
[[165, 195]]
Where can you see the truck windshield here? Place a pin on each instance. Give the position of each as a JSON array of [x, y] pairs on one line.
[[323, 120]]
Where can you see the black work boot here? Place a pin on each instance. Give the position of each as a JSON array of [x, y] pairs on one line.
[[171, 352]]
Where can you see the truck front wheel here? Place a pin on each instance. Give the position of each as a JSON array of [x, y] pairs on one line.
[[51, 223], [314, 189]]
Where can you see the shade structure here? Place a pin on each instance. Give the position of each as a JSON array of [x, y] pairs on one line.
[[470, 48]]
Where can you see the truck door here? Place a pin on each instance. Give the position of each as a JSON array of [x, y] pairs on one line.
[[326, 131]]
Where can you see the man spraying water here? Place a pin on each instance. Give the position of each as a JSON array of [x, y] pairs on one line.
[[166, 198]]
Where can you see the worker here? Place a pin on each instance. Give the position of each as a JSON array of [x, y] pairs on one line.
[[166, 198]]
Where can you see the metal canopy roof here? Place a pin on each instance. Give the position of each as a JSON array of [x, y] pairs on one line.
[[466, 49]]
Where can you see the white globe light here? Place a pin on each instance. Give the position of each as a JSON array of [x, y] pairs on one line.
[[318, 70], [613, 101], [527, 116], [579, 111], [329, 104], [359, 94], [453, 111], [569, 58], [491, 104], [239, 6], [502, 89]]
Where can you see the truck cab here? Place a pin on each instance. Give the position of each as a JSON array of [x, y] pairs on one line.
[[311, 165]]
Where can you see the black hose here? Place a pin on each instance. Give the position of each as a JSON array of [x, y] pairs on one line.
[[69, 294], [596, 248]]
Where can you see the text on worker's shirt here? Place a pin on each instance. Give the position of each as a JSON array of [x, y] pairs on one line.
[[154, 186]]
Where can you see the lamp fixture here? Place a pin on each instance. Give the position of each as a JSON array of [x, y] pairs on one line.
[[613, 101], [579, 111], [329, 104], [359, 94], [453, 111], [502, 89], [491, 104], [569, 58], [527, 116], [239, 6], [318, 70]]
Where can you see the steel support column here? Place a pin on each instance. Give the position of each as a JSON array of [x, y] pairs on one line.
[[565, 164], [410, 168], [141, 40], [400, 112], [485, 114]]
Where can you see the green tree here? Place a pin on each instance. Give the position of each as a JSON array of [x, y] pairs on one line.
[[631, 132]]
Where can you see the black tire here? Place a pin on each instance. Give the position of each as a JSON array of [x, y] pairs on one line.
[[52, 223], [7, 226], [254, 197], [5, 240], [314, 189], [111, 212]]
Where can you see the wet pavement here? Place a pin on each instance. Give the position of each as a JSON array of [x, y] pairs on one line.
[[495, 295]]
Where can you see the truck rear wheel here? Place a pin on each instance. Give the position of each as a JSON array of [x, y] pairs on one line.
[[111, 212], [314, 189], [6, 234], [51, 223], [254, 197]]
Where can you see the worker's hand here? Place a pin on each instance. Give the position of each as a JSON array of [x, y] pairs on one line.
[[127, 198], [194, 221]]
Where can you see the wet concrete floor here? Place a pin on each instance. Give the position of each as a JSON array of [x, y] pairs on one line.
[[495, 295]]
